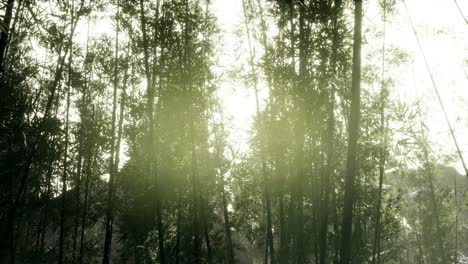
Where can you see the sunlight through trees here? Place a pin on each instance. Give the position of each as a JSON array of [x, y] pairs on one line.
[[150, 131]]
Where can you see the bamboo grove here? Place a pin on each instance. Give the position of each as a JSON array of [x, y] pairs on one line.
[[115, 146]]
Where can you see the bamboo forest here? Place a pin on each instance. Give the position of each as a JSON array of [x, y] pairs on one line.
[[234, 131]]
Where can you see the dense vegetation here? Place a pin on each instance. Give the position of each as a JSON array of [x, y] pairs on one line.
[[114, 146]]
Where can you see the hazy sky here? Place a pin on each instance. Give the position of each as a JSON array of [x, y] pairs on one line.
[[444, 37]]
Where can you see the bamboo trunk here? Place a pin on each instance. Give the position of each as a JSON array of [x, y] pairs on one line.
[[351, 160]]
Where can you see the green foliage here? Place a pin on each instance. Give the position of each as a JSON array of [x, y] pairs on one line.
[[182, 191]]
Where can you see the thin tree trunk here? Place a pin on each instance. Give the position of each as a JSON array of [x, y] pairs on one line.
[[123, 100], [266, 179], [86, 151], [222, 191], [376, 246], [354, 119], [112, 167], [196, 203], [299, 134], [178, 226], [18, 19], [89, 171], [157, 198], [455, 254], [65, 158], [4, 33], [80, 155], [420, 248], [284, 245], [336, 240], [323, 234], [293, 196], [117, 152], [227, 223], [64, 178], [77, 204], [46, 207], [151, 132], [435, 207], [436, 216], [207, 239], [205, 212]]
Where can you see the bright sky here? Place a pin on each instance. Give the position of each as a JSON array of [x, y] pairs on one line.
[[238, 101], [443, 35], [444, 38]]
